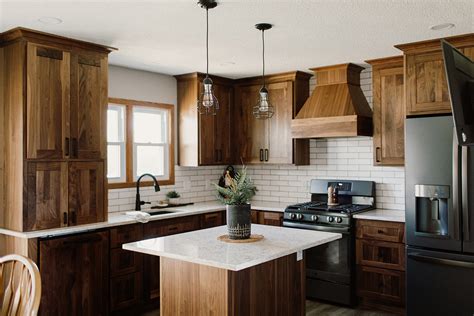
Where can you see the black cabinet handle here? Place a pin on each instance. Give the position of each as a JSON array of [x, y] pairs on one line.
[[377, 154], [220, 154], [73, 216], [65, 218], [266, 154], [67, 144], [261, 154], [216, 154]]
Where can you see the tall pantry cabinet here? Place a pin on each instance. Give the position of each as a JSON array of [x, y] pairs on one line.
[[53, 131]]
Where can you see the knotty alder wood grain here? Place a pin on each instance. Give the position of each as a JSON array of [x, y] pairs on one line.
[[271, 288], [388, 110]]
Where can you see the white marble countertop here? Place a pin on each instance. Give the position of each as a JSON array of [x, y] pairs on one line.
[[119, 218], [203, 247], [383, 215]]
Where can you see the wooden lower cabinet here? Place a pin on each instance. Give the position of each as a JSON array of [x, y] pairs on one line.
[[75, 274], [213, 219], [126, 291], [380, 257], [267, 218]]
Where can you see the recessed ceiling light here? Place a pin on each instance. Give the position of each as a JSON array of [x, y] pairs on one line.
[[442, 26], [50, 20]]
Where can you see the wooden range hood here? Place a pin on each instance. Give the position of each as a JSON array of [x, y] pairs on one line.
[[336, 108]]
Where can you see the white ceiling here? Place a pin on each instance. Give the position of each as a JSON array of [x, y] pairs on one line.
[[167, 36]]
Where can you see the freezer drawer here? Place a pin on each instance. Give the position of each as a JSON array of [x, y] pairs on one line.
[[439, 283]]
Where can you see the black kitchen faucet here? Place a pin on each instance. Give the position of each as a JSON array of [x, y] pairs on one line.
[[139, 203]]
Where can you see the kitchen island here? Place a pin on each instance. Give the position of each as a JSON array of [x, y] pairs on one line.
[[201, 275]]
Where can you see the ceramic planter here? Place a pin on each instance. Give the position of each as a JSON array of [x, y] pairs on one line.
[[238, 221]]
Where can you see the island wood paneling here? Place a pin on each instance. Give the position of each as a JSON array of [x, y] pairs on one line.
[[272, 288]]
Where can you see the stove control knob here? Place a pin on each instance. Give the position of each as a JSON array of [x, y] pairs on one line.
[[338, 219], [330, 219], [299, 216], [314, 218], [292, 215]]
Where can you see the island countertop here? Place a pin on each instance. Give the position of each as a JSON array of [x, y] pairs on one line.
[[203, 247]]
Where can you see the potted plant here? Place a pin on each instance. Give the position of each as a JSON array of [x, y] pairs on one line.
[[236, 197], [173, 197]]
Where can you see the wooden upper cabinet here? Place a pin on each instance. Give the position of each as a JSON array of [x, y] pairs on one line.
[[46, 203], [426, 90], [88, 105], [280, 142], [252, 133], [388, 111], [269, 140], [204, 139], [48, 101], [86, 192]]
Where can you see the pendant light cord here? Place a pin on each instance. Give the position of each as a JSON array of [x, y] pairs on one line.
[[207, 42], [263, 57]]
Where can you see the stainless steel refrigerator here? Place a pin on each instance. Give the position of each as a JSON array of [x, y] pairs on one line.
[[439, 202]]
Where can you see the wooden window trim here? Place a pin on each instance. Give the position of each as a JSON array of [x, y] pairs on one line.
[[129, 104]]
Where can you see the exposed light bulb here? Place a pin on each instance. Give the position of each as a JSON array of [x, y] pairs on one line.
[[263, 109], [208, 103]]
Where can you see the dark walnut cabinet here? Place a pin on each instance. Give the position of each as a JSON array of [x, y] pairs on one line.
[[234, 135], [204, 139], [380, 257], [53, 130], [270, 141], [75, 274], [426, 89], [388, 111]]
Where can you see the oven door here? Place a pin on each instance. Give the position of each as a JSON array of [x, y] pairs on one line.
[[332, 261], [330, 269]]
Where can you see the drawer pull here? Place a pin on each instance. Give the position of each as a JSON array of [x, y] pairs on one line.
[[173, 228], [380, 231]]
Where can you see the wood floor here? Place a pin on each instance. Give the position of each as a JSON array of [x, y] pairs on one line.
[[314, 308]]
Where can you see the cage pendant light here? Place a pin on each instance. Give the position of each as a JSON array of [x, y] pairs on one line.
[[263, 109], [207, 103]]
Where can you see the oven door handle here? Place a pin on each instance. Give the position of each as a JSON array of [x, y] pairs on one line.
[[329, 229]]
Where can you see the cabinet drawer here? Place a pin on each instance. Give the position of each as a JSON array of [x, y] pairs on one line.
[[212, 219], [126, 291], [254, 215], [124, 262], [380, 254], [380, 230], [382, 284], [171, 226], [124, 234]]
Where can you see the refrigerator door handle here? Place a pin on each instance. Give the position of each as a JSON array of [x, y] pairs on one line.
[[447, 262], [464, 192], [456, 205]]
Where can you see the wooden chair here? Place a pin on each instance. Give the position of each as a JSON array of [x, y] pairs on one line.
[[20, 293]]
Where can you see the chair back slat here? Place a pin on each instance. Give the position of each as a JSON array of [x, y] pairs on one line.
[[20, 286]]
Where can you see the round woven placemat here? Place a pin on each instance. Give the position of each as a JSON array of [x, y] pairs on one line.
[[253, 238]]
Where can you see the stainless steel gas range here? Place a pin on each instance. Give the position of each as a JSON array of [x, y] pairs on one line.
[[330, 268]]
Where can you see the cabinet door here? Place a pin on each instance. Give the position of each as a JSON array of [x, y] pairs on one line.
[[280, 148], [46, 190], [254, 133], [86, 192], [212, 219], [207, 137], [426, 85], [387, 255], [88, 105], [270, 218], [383, 285], [389, 116], [47, 106], [223, 126], [74, 275], [126, 291]]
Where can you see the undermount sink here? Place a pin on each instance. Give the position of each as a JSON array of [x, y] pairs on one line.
[[160, 212]]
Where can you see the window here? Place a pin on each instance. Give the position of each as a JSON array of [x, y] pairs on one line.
[[139, 140]]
